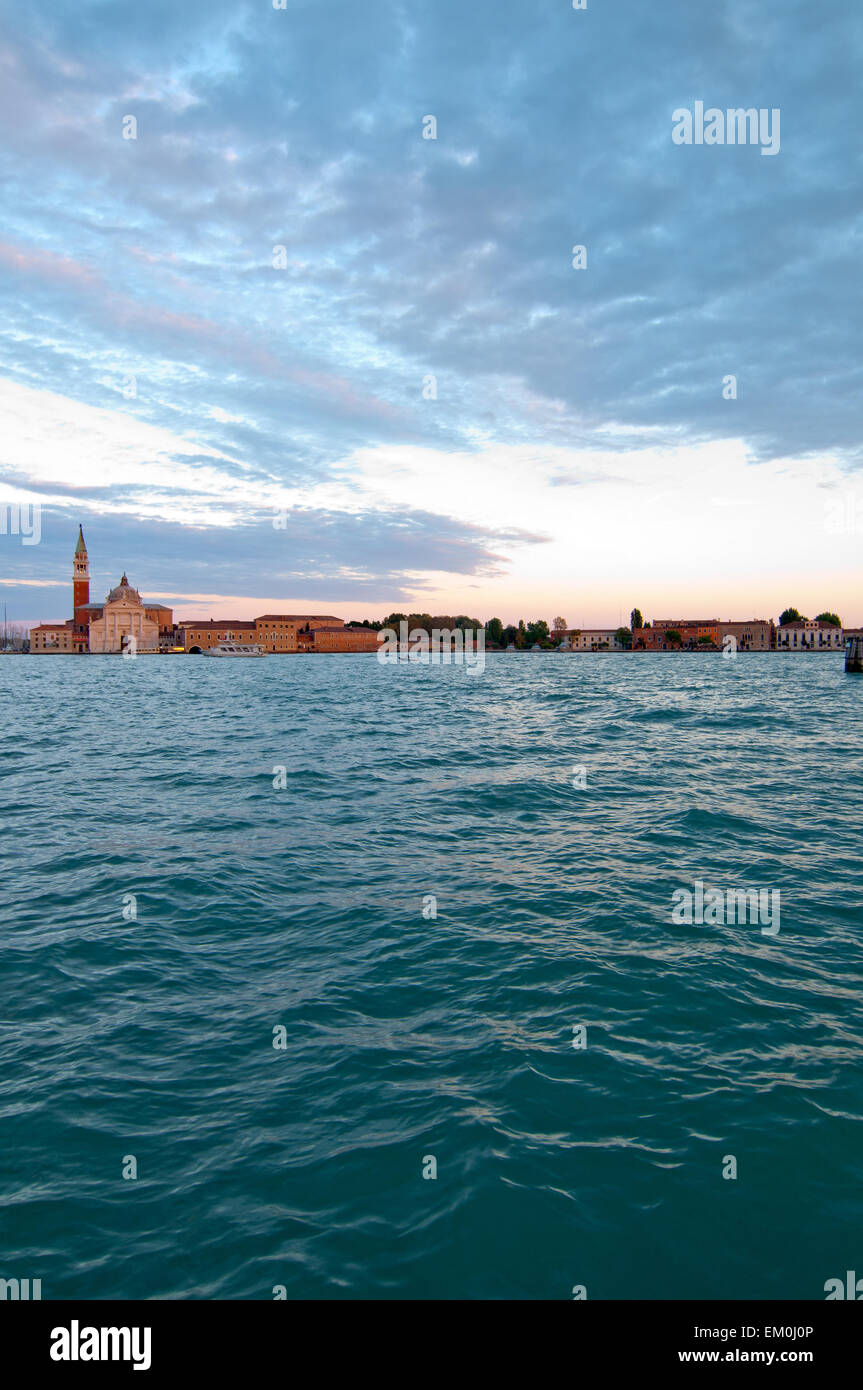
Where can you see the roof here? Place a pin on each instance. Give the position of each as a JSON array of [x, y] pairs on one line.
[[80, 548], [300, 618], [216, 622], [123, 590]]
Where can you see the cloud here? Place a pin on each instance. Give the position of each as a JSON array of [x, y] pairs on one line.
[[406, 258]]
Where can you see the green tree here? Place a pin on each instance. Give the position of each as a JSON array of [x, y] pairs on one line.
[[674, 637], [635, 619], [706, 642], [494, 631], [510, 636], [537, 632], [832, 619], [468, 624], [624, 636], [789, 615]]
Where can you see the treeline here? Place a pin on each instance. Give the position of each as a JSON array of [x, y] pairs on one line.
[[791, 615], [442, 621], [521, 635], [525, 636]]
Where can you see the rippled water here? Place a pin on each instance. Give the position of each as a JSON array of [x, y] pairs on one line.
[[407, 1036]]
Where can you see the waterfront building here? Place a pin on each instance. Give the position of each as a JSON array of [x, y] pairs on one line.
[[56, 638], [344, 639], [593, 639], [753, 634], [123, 616], [103, 627], [808, 635], [693, 633], [272, 632], [280, 633]]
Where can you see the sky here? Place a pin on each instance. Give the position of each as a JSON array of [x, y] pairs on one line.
[[280, 351]]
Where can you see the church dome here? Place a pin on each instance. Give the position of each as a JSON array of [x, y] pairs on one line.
[[123, 590]]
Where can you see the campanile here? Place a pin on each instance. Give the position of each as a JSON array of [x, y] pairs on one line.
[[80, 574]]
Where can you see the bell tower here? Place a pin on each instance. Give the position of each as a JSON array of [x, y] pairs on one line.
[[80, 574]]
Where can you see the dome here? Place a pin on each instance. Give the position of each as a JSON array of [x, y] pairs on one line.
[[124, 590]]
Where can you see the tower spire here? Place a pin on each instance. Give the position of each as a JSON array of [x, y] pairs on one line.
[[80, 575]]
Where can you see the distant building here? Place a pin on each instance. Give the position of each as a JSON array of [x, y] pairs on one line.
[[52, 638], [754, 634], [693, 633], [808, 635], [593, 639], [123, 615], [281, 633], [103, 627], [345, 639]]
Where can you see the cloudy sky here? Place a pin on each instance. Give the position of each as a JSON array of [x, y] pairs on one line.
[[440, 410]]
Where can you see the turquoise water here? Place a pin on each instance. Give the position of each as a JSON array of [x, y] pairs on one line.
[[411, 1036]]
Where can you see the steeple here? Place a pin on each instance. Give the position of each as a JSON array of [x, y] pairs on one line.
[[80, 574]]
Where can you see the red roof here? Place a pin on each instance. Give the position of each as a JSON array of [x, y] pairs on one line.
[[216, 622], [299, 618]]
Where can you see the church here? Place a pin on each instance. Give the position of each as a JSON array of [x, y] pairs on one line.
[[107, 626]]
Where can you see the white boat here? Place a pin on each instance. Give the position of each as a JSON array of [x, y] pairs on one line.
[[234, 649]]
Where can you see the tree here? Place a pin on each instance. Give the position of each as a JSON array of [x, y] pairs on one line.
[[510, 635], [537, 632], [790, 615], [559, 625], [624, 636], [463, 622], [706, 642], [635, 619], [832, 619], [674, 637], [494, 630]]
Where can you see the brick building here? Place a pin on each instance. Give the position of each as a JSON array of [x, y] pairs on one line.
[[753, 634], [280, 633], [345, 639]]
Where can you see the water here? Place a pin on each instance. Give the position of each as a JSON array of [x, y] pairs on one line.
[[408, 1036]]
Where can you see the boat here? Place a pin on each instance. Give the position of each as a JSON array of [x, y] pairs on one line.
[[234, 649]]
